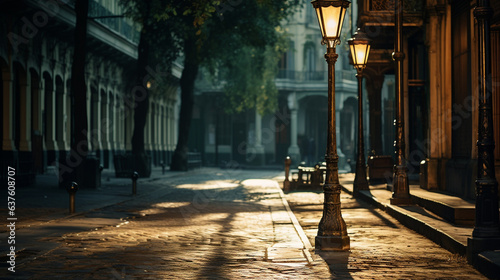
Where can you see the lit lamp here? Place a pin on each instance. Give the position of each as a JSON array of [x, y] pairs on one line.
[[359, 46], [332, 230]]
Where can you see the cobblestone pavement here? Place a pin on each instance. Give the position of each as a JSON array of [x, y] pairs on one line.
[[199, 226], [381, 248]]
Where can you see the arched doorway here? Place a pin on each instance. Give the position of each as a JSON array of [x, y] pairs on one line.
[[313, 120]]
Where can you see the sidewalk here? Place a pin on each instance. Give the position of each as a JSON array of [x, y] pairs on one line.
[[45, 201], [445, 219], [203, 224]]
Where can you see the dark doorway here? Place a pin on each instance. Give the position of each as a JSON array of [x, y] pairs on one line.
[[36, 133], [239, 140]]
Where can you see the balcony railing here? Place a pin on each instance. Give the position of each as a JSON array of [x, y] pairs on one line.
[[304, 76], [117, 24], [301, 75], [388, 5]]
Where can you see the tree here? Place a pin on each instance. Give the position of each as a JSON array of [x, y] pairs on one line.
[[73, 167], [248, 32], [249, 78], [207, 33], [154, 45], [141, 97]]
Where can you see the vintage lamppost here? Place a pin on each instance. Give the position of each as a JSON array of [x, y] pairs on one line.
[[359, 46], [401, 188], [332, 231], [486, 233]]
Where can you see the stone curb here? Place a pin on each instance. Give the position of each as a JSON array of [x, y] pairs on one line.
[[298, 228]]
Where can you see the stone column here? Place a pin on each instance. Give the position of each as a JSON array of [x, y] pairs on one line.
[[94, 134], [256, 154], [25, 114], [50, 113], [157, 132], [163, 140], [126, 135], [60, 108], [104, 130], [293, 150], [438, 144]]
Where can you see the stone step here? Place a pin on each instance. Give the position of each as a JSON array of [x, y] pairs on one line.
[[454, 209]]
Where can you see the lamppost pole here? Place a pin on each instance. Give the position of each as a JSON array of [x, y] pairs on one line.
[[360, 182], [332, 229], [487, 224], [401, 189], [360, 48], [486, 233]]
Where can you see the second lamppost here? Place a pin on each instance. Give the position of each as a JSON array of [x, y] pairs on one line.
[[359, 46], [332, 230]]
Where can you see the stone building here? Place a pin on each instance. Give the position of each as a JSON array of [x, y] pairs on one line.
[[298, 127], [441, 86], [36, 46]]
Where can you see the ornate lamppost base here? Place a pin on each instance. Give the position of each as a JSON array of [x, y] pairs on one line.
[[401, 191], [332, 243], [400, 201], [477, 245]]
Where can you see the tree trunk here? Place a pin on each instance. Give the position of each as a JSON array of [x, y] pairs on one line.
[[141, 160], [69, 170], [189, 73]]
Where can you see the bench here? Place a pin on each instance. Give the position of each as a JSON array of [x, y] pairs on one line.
[[308, 176]]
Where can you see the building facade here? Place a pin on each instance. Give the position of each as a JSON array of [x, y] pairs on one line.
[[441, 85], [36, 49], [298, 127]]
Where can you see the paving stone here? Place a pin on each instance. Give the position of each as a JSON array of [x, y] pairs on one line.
[[380, 246]]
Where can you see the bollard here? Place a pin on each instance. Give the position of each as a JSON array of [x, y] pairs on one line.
[[162, 167], [135, 176], [72, 191], [286, 183]]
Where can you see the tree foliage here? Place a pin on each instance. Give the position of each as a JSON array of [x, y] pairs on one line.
[[240, 40], [249, 78]]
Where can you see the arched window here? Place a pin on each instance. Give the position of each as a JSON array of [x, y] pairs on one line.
[[310, 61], [286, 64]]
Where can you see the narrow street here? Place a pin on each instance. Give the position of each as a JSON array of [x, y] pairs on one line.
[[226, 224], [209, 224]]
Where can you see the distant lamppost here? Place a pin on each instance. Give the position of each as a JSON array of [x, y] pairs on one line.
[[332, 231], [401, 188], [360, 48]]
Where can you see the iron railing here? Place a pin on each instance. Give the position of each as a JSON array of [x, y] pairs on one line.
[[303, 76], [388, 5], [114, 22]]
